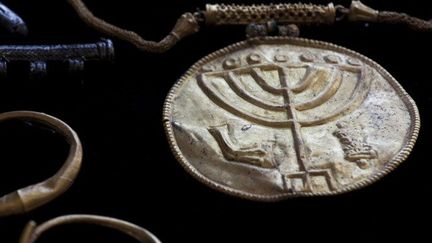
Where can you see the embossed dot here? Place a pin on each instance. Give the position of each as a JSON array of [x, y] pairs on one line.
[[280, 58], [332, 59], [254, 58], [354, 62], [307, 57], [230, 63]]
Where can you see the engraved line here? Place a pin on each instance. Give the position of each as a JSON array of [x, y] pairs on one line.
[[202, 82], [357, 97], [256, 73], [327, 93], [299, 144], [234, 83], [327, 173], [308, 78]]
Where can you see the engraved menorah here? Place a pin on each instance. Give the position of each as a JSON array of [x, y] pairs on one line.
[[331, 73]]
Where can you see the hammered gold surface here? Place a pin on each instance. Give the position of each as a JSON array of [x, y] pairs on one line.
[[273, 118]]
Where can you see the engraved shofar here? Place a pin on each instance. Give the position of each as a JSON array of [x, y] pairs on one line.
[[253, 155]]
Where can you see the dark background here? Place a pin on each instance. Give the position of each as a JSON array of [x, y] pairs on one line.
[[128, 170]]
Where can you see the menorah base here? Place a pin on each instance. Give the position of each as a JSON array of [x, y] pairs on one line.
[[308, 181]]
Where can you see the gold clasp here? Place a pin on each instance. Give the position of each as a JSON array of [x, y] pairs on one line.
[[361, 12]]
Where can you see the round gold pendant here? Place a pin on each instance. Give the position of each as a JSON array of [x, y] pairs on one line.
[[277, 117]]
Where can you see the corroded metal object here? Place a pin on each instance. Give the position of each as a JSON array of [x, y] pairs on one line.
[[74, 55], [33, 196], [278, 117], [33, 231], [11, 21]]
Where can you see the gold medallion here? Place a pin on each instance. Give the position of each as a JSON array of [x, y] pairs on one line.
[[277, 117]]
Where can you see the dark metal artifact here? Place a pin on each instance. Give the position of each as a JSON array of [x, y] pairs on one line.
[[33, 196], [271, 118], [75, 55], [11, 21], [32, 231]]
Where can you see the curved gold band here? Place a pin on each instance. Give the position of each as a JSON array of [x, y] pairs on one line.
[[33, 196], [32, 231]]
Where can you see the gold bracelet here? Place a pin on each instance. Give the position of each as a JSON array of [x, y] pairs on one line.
[[33, 231], [33, 196]]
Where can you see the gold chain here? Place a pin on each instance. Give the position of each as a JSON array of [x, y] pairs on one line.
[[221, 14]]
